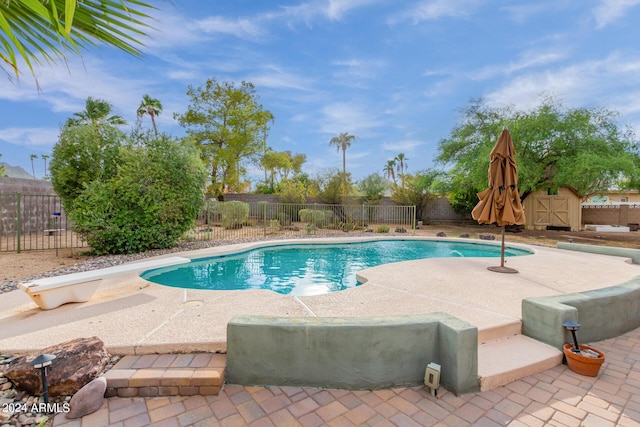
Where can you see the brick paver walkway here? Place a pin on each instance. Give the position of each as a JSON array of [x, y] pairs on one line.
[[556, 397]]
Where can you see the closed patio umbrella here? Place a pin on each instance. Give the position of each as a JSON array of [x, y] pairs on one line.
[[500, 203]]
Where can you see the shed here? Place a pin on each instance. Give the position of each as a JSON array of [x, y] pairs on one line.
[[547, 211]]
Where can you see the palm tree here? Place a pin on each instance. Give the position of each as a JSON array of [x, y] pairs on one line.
[[401, 161], [45, 157], [390, 170], [343, 141], [96, 113], [36, 30], [33, 169], [152, 107]]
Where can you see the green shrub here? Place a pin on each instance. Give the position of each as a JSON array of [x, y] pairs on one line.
[[274, 223], [149, 203], [313, 216], [234, 214], [284, 219], [382, 229]]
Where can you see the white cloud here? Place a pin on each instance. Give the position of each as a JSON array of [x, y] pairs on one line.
[[610, 10], [333, 10], [243, 28], [30, 137], [403, 145], [348, 117], [577, 84], [352, 72], [276, 77], [338, 8], [530, 59], [431, 10]]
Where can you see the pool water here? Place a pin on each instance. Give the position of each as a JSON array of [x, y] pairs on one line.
[[309, 269]]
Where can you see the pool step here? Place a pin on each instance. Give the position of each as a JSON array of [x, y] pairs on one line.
[[167, 375], [501, 330], [504, 355]]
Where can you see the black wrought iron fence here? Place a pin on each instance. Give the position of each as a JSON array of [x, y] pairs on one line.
[[236, 219], [37, 222], [34, 222]]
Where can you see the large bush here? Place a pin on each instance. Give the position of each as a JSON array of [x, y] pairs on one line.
[[152, 199], [234, 214]]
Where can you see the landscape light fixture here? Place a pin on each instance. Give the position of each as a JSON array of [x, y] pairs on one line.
[[41, 362], [573, 327]]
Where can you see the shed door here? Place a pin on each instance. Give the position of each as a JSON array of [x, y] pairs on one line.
[[552, 210], [560, 211]]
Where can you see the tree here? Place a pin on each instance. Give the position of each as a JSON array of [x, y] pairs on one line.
[[401, 161], [2, 169], [583, 149], [96, 114], [152, 107], [390, 170], [34, 29], [373, 187], [342, 142], [45, 157], [331, 184], [150, 201], [33, 169], [419, 192], [282, 164], [82, 156], [226, 122]]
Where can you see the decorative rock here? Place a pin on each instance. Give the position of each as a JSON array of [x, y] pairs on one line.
[[401, 230], [77, 363], [441, 234], [487, 237], [88, 399], [464, 236]]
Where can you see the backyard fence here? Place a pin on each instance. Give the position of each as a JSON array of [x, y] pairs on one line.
[[236, 220], [611, 214], [38, 222], [34, 222]]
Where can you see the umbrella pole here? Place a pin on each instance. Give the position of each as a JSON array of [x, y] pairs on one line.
[[502, 251], [502, 268]]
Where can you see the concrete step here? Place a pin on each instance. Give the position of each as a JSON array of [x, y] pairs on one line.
[[505, 329], [505, 360], [167, 375]]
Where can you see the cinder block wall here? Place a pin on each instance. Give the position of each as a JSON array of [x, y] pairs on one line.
[[33, 200]]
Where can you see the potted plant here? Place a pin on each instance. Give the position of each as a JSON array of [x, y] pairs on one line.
[[581, 359], [585, 361]]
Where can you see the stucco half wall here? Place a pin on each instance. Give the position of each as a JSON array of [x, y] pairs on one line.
[[352, 352], [602, 313]]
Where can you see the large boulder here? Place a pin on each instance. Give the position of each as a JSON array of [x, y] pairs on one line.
[[88, 399], [77, 363]]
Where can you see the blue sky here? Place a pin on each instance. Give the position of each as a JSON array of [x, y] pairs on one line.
[[395, 73]]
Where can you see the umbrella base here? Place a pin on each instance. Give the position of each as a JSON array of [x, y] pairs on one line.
[[501, 269]]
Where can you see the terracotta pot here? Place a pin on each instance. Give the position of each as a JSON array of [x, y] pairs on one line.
[[583, 365]]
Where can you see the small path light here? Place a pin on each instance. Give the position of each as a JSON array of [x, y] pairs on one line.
[[41, 362], [573, 327]]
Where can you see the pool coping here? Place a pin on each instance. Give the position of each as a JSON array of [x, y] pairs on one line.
[[177, 320]]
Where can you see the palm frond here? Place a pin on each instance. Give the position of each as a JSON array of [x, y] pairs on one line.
[[34, 29]]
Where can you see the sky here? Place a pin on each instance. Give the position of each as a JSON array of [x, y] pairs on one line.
[[394, 73]]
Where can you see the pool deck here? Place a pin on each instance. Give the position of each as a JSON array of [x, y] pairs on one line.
[[133, 316]]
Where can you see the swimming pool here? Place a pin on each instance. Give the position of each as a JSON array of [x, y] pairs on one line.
[[309, 268]]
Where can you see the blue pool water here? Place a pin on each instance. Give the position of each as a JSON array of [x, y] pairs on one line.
[[309, 269]]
